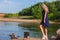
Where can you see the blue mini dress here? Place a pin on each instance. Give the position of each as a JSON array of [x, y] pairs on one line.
[[46, 24]]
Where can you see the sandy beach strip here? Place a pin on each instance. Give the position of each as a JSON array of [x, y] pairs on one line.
[[24, 20]]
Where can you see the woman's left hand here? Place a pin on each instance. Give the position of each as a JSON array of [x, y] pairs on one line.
[[44, 21]]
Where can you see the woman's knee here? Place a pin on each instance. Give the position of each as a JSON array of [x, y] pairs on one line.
[[40, 26]]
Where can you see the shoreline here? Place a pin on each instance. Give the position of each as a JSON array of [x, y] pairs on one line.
[[25, 20]]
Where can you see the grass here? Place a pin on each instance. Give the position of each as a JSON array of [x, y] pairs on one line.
[[26, 17]]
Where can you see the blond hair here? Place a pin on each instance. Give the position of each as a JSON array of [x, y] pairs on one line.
[[45, 8]]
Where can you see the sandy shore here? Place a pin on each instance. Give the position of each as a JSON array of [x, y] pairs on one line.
[[24, 20]]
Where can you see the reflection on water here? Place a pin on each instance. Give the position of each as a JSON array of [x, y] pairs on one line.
[[7, 28], [35, 28]]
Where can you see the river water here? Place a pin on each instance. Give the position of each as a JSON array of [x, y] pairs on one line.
[[7, 28]]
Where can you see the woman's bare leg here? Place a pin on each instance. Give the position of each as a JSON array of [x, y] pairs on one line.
[[42, 30], [46, 32]]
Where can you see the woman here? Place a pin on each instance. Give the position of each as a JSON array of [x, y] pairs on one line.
[[44, 23]]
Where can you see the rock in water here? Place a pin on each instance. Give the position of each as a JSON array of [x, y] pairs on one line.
[[58, 34]]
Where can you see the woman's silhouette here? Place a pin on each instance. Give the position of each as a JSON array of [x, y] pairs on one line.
[[44, 23]]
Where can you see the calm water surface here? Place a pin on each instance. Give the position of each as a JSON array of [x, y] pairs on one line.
[[18, 28]]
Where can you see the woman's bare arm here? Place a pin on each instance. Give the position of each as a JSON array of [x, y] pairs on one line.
[[45, 16]]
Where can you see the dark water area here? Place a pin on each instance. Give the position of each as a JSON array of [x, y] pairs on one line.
[[7, 28], [35, 28]]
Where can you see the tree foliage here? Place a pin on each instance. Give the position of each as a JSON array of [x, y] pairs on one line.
[[36, 10]]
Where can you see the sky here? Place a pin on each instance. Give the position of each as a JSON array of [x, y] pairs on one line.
[[14, 6]]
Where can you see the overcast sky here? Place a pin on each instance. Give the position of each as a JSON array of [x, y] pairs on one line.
[[14, 6]]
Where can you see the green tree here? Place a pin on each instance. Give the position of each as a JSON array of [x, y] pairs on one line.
[[36, 10]]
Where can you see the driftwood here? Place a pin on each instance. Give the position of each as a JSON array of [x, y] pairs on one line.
[[26, 36], [13, 36]]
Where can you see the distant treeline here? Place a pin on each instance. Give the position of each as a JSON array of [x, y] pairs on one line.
[[36, 10], [11, 15]]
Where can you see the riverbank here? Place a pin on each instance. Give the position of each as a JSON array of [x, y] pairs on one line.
[[25, 20]]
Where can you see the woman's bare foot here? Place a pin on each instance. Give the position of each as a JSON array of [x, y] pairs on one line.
[[43, 38], [46, 37]]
